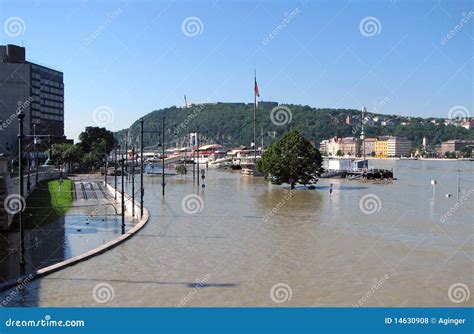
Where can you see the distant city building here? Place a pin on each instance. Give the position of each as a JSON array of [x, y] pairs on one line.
[[352, 119], [350, 146], [323, 147], [387, 122], [398, 147], [36, 90], [468, 124], [268, 104], [368, 121], [455, 145], [368, 146], [381, 148], [333, 146]]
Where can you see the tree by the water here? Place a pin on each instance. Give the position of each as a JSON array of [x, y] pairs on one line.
[[291, 159]]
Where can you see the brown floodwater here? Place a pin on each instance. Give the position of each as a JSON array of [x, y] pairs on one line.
[[241, 241]]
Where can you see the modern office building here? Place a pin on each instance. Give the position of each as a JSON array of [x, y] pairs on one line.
[[36, 90], [398, 147]]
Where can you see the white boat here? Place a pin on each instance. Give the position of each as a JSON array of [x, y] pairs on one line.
[[155, 167]]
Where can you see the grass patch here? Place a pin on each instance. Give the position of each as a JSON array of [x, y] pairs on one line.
[[61, 196], [49, 201]]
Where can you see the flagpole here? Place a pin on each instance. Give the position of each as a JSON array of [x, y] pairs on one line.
[[255, 120]]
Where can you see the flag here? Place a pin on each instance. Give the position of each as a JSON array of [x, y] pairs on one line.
[[257, 94]]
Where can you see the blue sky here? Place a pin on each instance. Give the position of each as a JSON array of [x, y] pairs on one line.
[[134, 57]]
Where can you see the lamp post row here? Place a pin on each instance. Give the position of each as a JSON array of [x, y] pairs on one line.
[[21, 136]]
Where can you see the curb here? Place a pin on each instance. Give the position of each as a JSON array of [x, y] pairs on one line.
[[84, 256]]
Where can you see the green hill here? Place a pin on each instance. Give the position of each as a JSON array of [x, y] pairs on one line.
[[231, 124]]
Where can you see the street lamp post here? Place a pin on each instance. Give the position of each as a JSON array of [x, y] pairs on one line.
[[126, 154], [105, 165], [142, 191], [36, 154], [123, 198], [21, 117], [163, 157], [115, 171], [133, 181], [197, 147], [50, 161]]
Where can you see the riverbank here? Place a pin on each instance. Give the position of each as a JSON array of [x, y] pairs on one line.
[[49, 201], [90, 227]]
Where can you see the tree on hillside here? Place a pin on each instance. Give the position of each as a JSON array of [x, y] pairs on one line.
[[291, 159]]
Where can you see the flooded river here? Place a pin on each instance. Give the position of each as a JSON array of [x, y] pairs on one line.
[[243, 242]]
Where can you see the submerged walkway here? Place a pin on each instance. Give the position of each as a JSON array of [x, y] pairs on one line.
[[92, 221]]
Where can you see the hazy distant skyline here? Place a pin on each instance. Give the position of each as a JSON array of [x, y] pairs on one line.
[[130, 58]]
